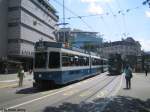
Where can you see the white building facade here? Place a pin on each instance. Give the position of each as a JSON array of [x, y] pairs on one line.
[[25, 22]]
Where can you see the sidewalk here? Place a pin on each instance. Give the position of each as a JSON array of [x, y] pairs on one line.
[[136, 99], [140, 87], [13, 77]]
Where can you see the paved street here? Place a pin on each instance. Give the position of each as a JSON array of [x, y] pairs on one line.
[[78, 49], [137, 99], [101, 93], [32, 100], [11, 80], [12, 77]]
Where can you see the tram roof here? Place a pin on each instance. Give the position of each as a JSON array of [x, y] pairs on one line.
[[46, 44]]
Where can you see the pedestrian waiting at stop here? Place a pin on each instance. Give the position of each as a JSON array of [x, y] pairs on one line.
[[20, 75], [128, 76]]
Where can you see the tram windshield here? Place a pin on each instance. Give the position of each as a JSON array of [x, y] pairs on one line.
[[40, 59], [54, 60]]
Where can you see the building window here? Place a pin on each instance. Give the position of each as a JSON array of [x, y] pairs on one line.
[[13, 9], [13, 24], [13, 40]]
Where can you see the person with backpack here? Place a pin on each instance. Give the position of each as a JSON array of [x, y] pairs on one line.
[[128, 76]]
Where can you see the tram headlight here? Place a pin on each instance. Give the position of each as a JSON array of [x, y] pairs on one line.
[[40, 75], [33, 81]]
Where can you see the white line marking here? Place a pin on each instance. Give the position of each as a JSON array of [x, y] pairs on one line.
[[30, 101], [27, 102], [8, 81]]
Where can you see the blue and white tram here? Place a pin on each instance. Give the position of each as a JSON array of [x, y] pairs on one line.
[[56, 65]]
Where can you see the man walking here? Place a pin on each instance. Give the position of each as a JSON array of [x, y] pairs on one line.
[[20, 75]]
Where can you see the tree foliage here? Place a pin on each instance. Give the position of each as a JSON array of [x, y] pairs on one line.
[[146, 2]]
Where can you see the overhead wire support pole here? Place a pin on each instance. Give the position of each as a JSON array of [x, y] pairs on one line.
[[74, 14], [64, 13]]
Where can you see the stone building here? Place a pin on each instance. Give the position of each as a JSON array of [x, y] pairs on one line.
[[22, 23], [124, 47], [129, 49]]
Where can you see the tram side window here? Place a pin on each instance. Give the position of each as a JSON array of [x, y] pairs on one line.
[[40, 59], [54, 60], [85, 61], [74, 60], [93, 61], [96, 61], [105, 62], [65, 60]]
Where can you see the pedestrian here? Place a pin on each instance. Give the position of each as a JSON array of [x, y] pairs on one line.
[[20, 75], [128, 76], [146, 70]]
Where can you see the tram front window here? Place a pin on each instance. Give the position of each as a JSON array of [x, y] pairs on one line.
[[54, 60], [40, 59]]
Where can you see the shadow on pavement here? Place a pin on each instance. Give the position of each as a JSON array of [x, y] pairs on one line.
[[117, 104], [30, 90]]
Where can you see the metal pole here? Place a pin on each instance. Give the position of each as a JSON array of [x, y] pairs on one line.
[[64, 13]]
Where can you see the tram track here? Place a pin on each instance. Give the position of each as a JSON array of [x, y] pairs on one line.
[[102, 104], [101, 88], [96, 82], [62, 90], [87, 89], [82, 91]]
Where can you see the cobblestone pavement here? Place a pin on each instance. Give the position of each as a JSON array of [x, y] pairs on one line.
[[128, 104], [117, 104]]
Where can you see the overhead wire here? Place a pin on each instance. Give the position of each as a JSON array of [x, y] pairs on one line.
[[116, 23], [117, 13], [105, 14], [105, 24], [76, 15], [121, 11]]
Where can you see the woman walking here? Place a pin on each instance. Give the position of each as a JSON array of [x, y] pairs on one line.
[[128, 76]]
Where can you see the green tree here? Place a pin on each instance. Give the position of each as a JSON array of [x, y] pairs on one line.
[[146, 2]]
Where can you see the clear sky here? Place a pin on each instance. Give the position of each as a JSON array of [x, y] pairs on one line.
[[116, 18]]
